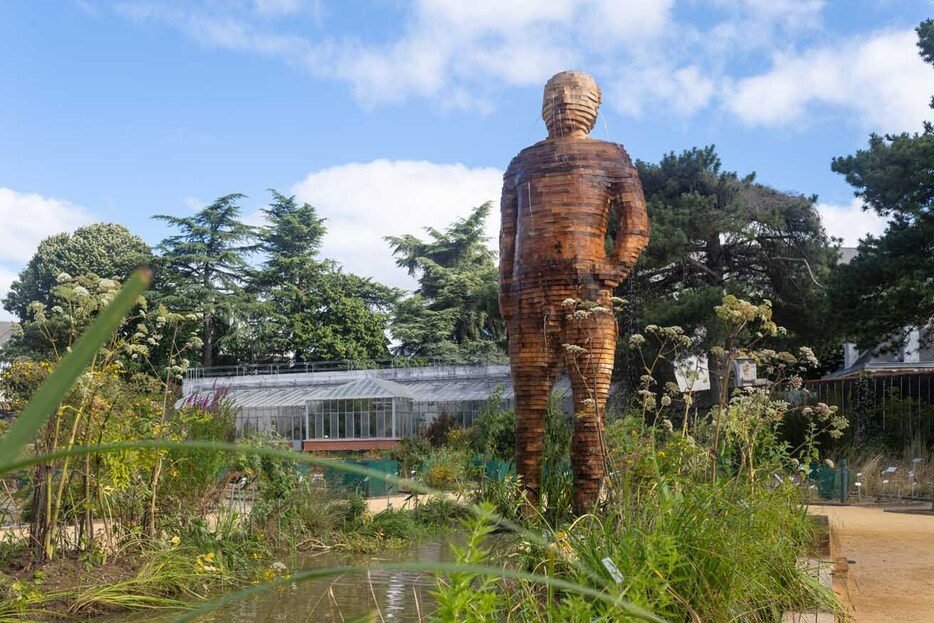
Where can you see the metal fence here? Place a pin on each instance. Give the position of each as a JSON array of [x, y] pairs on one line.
[[343, 365], [894, 409]]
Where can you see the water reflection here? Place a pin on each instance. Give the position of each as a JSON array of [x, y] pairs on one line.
[[334, 598]]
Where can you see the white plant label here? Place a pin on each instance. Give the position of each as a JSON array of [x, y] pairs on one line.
[[611, 567]]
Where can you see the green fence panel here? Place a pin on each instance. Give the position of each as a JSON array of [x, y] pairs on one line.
[[499, 470], [365, 485], [379, 487], [826, 480]]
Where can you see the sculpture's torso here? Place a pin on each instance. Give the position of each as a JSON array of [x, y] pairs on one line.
[[564, 189]]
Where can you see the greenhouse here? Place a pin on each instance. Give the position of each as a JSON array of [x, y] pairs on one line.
[[367, 409], [360, 409]]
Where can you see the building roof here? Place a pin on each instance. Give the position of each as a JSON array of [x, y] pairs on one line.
[[367, 387], [887, 358], [282, 397], [441, 384], [6, 330]]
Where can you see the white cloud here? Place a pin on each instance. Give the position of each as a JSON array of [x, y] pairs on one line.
[[785, 14], [611, 22], [194, 204], [363, 202], [685, 91], [461, 54], [28, 218], [850, 222], [281, 7], [224, 30], [879, 79], [452, 46], [449, 51]]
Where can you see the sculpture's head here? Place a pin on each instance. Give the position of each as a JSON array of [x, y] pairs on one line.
[[570, 104]]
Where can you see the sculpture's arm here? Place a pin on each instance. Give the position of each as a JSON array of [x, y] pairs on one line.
[[507, 233], [632, 234]]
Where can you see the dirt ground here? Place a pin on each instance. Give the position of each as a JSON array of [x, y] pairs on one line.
[[892, 577]]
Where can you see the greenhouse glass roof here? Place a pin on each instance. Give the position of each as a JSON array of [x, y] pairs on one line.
[[438, 385], [368, 387]]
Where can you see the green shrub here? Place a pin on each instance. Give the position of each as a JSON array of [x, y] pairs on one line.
[[439, 430], [395, 524], [446, 469], [411, 454], [437, 513], [494, 430]]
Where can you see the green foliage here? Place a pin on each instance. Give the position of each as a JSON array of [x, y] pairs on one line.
[[309, 309], [440, 429], [202, 269], [102, 249], [468, 596], [19, 381], [395, 524], [410, 453], [193, 478], [888, 285], [675, 561], [48, 332], [494, 430], [438, 512], [558, 431], [687, 546], [903, 417], [714, 232], [447, 468], [454, 314]]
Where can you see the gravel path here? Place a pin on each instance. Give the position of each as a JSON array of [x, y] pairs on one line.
[[892, 579]]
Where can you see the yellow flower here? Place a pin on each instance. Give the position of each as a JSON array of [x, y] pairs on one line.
[[203, 563]]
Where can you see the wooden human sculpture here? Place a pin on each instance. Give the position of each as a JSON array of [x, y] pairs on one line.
[[556, 279]]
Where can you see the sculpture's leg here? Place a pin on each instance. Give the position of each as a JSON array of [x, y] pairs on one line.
[[534, 368], [590, 373]]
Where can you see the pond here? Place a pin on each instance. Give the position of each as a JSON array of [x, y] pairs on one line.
[[334, 598]]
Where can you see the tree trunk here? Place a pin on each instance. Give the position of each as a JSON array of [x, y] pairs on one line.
[[207, 353], [39, 526]]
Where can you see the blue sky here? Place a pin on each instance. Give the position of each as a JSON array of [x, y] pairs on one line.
[[390, 115]]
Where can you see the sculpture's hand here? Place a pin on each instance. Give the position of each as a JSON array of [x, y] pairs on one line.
[[628, 249], [632, 235], [609, 272]]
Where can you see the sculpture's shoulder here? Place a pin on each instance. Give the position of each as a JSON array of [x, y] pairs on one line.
[[558, 155], [610, 150], [530, 153], [533, 153]]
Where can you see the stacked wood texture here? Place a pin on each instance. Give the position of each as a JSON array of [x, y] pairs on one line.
[[556, 279]]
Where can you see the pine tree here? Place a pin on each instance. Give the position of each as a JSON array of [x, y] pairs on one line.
[[454, 313], [203, 269]]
